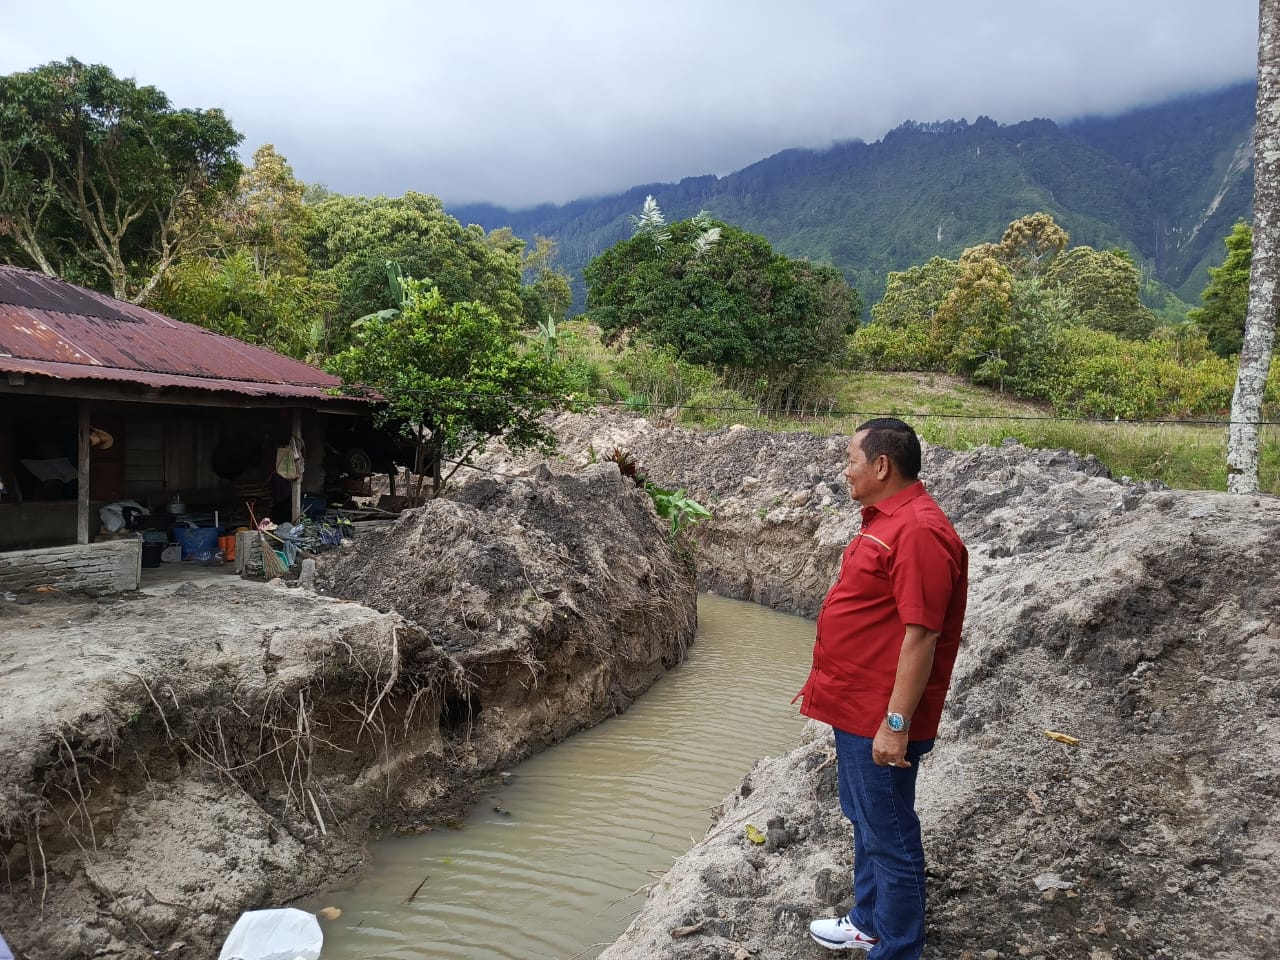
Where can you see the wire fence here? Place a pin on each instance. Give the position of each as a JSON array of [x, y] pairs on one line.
[[681, 410]]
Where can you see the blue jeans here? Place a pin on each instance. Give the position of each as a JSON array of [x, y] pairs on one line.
[[888, 857]]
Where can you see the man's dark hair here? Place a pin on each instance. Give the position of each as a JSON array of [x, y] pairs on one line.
[[892, 438]]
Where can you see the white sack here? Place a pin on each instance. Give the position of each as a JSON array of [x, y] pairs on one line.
[[274, 935]]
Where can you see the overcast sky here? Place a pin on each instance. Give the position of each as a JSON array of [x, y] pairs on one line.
[[522, 102]]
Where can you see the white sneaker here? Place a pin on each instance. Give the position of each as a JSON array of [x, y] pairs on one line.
[[837, 933]]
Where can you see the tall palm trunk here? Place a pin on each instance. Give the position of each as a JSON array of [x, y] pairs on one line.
[[1264, 274]]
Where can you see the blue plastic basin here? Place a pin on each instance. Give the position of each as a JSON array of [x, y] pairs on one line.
[[195, 540]]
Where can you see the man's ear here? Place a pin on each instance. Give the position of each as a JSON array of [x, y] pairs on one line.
[[883, 467]]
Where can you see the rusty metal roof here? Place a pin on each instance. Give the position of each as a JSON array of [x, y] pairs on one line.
[[52, 328]]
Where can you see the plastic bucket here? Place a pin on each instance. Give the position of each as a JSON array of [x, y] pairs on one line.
[[195, 540], [151, 553], [227, 544]]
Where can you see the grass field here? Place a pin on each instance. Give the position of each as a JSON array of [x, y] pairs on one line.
[[947, 411]]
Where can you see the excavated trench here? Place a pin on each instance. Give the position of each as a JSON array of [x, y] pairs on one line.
[[1141, 621], [168, 762], [553, 862]]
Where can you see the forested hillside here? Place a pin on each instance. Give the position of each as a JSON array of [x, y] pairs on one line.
[[1165, 182]]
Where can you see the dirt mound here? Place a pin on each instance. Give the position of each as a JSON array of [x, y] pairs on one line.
[[556, 593], [1139, 620], [167, 762], [782, 511]]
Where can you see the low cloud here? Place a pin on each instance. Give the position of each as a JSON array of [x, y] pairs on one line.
[[520, 103]]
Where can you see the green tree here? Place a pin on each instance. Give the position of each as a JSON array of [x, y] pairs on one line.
[[353, 238], [1043, 318], [722, 297], [978, 320], [104, 182], [455, 375], [252, 280], [230, 294], [1103, 288], [546, 293], [268, 215], [913, 296], [903, 334], [1030, 243], [1226, 298]]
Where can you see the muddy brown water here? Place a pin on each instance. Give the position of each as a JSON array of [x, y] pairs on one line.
[[592, 821]]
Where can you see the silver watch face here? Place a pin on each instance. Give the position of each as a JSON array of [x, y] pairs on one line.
[[896, 723]]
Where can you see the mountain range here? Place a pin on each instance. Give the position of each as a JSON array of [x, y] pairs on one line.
[[1166, 182]]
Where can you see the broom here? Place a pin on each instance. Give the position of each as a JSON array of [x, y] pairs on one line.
[[272, 566]]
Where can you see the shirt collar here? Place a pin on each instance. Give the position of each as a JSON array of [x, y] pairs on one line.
[[890, 505]]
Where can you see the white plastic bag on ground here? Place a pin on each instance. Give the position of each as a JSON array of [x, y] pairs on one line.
[[274, 935], [112, 515]]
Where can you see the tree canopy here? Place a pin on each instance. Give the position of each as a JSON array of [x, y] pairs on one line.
[[454, 374], [1226, 298], [268, 215], [1103, 290], [1030, 244], [104, 182], [1050, 321], [977, 318], [720, 296], [547, 293], [915, 294], [353, 238], [251, 277]]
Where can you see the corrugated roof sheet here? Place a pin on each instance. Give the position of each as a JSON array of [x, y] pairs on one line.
[[52, 328]]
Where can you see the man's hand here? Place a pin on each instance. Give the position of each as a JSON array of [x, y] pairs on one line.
[[889, 748], [915, 662]]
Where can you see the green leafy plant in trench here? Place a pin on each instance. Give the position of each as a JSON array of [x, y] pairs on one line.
[[674, 506], [677, 507]]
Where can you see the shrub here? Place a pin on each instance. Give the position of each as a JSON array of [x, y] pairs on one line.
[[882, 348], [1090, 373], [657, 375]]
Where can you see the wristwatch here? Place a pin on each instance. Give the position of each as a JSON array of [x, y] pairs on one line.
[[896, 722]]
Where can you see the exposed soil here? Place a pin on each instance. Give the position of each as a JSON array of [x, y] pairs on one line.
[[552, 591], [1144, 622], [167, 762]]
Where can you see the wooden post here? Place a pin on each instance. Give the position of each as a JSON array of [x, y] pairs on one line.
[[82, 478], [296, 483]]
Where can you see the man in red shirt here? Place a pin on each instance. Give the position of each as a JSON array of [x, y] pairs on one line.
[[887, 638]]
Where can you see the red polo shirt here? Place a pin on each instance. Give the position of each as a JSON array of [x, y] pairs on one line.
[[905, 566]]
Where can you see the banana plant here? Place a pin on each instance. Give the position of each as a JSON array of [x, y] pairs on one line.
[[402, 289]]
